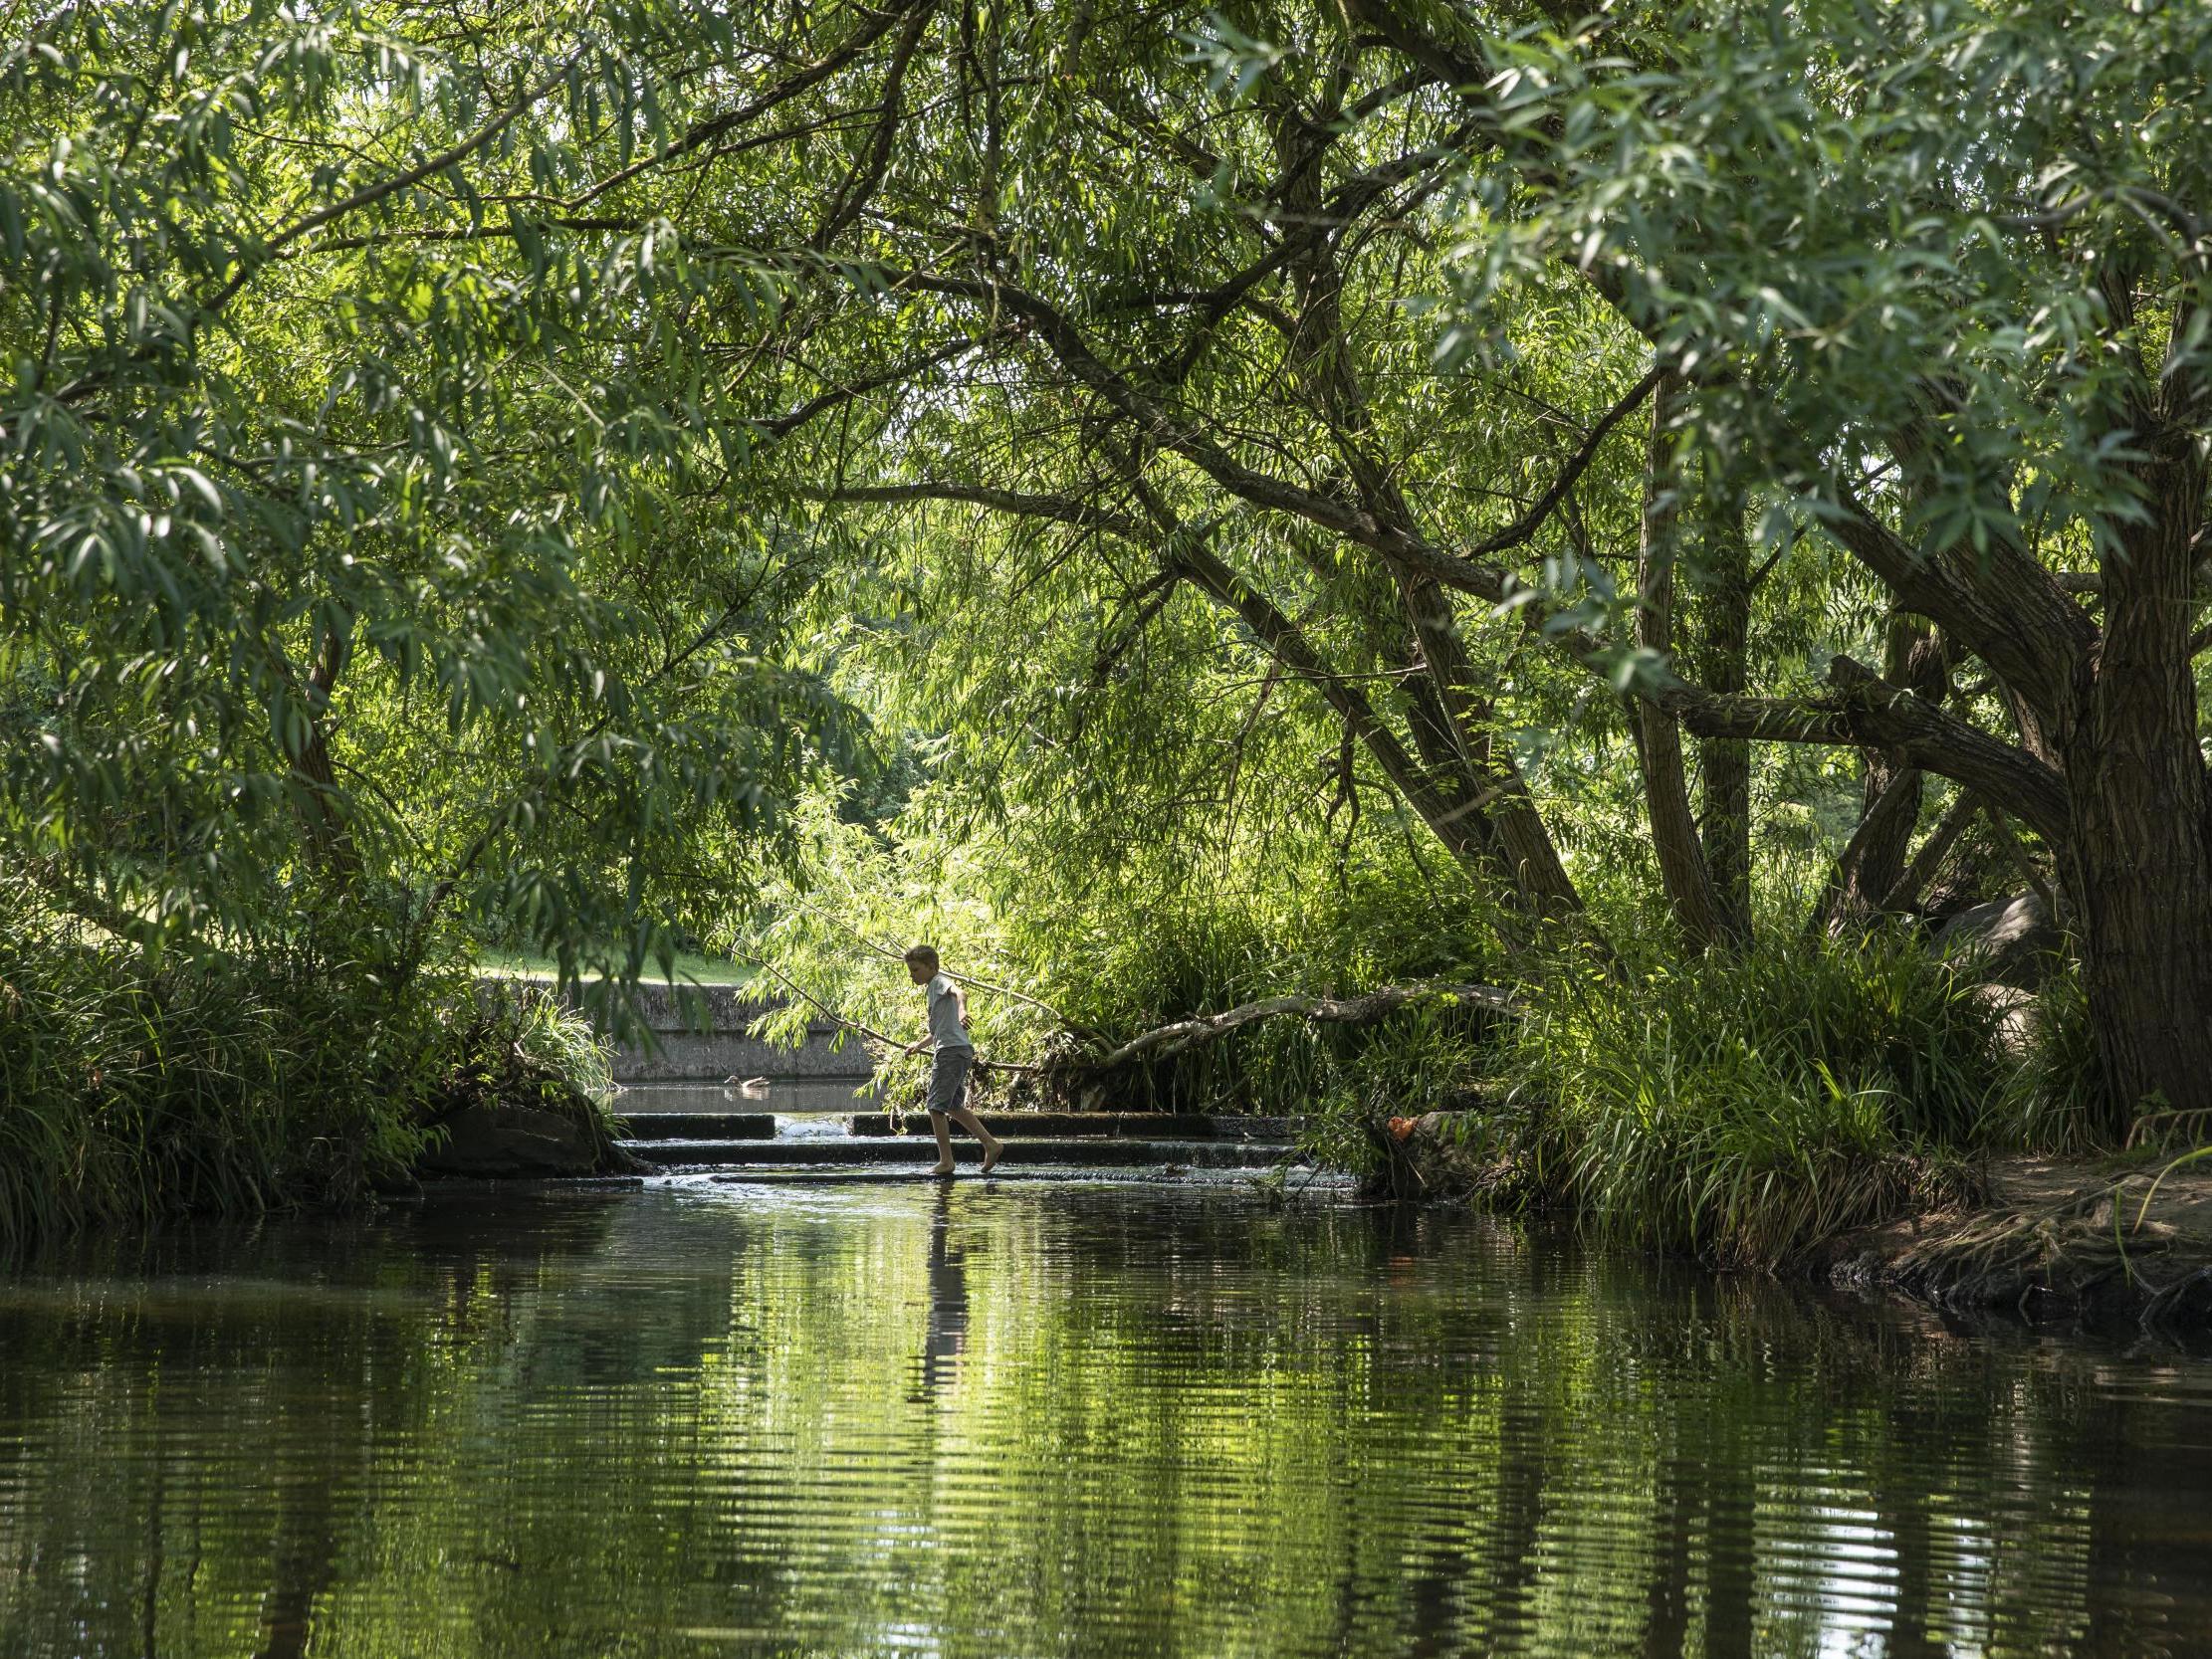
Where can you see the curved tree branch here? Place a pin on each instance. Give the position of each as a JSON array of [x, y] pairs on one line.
[[1167, 1041], [1868, 710]]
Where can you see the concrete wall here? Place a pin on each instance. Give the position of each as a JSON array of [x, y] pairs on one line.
[[685, 1052], [682, 1053]]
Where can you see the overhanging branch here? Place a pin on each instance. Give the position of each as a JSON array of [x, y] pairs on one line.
[[1866, 710], [1167, 1041]]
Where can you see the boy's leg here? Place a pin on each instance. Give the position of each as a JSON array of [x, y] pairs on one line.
[[993, 1148], [950, 1094], [944, 1078]]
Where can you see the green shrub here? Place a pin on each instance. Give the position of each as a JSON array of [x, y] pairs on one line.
[[518, 1044], [1213, 949], [233, 1081], [1747, 1108]]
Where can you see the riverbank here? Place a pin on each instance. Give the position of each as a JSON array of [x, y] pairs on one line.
[[137, 1090], [2105, 1243], [2100, 1242]]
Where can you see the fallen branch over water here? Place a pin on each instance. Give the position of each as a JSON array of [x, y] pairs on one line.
[[883, 1038], [1168, 1040], [1092, 1063]]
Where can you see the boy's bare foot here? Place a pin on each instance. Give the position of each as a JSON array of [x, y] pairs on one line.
[[947, 1169], [991, 1155]]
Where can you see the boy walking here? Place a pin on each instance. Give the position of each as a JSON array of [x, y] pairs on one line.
[[954, 1054]]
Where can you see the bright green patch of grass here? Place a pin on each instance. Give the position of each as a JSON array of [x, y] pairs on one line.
[[690, 968]]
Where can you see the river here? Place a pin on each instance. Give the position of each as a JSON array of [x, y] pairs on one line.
[[1070, 1418]]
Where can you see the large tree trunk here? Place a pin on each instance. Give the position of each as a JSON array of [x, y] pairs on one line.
[[1911, 657], [1451, 712], [2138, 866], [1486, 779], [1658, 740], [1721, 623], [1431, 784], [1455, 801], [1875, 863], [317, 795]]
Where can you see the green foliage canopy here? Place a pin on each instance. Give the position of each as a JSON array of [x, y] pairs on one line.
[[460, 459], [358, 542]]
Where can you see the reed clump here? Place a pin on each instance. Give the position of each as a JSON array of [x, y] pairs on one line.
[[1741, 1107], [1747, 1108], [232, 1081]]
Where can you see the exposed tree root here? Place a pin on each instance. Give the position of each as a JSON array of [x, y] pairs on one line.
[[2087, 1256]]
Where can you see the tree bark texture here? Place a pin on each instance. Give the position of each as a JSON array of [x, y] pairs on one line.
[[1659, 746], [1874, 862], [2138, 866], [1721, 623], [1912, 657], [1488, 778], [1905, 895]]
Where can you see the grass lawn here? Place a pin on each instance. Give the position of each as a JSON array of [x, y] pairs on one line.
[[705, 971]]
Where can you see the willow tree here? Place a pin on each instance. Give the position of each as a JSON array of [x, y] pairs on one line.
[[1921, 288], [1478, 367], [351, 565], [1937, 278]]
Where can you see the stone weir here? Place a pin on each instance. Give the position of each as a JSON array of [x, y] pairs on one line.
[[755, 1145]]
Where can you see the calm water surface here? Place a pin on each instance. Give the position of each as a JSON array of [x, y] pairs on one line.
[[1054, 1419]]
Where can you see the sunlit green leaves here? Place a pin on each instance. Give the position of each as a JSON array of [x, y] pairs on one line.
[[1826, 211], [318, 413]]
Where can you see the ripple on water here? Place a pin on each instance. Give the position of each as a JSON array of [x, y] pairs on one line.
[[1077, 1418]]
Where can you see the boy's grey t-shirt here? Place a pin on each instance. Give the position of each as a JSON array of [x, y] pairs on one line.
[[945, 1027]]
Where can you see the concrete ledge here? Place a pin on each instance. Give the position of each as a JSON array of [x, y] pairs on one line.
[[697, 1126], [1147, 1126], [1096, 1153]]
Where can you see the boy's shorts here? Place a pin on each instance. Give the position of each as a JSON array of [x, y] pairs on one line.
[[949, 1078]]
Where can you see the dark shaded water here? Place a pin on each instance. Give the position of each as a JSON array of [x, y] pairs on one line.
[[1054, 1419]]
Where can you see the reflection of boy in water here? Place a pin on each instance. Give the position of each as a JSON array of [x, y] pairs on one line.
[[954, 1053], [948, 1326]]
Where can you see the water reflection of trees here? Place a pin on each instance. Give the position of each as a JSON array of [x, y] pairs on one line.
[[1086, 1422]]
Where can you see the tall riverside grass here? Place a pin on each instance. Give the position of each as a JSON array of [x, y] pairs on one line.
[[207, 1083], [218, 1082], [1211, 952], [2064, 1104], [1745, 1109], [1740, 1108]]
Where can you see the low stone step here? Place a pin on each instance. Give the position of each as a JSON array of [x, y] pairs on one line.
[[1317, 1181], [697, 1125], [1145, 1126], [1092, 1151]]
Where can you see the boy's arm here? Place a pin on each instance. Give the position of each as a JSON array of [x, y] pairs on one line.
[[960, 1005]]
